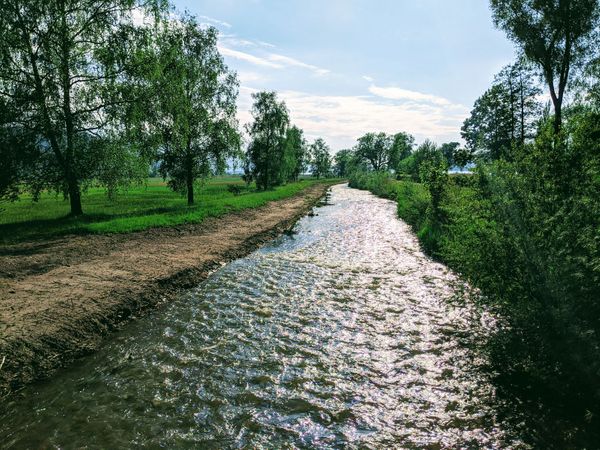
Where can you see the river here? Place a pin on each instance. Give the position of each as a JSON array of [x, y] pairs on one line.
[[338, 335]]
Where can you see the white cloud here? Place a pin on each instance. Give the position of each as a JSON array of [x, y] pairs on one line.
[[213, 21], [340, 120], [248, 58], [272, 60], [246, 77], [237, 42], [286, 60], [266, 44], [395, 93], [233, 40]]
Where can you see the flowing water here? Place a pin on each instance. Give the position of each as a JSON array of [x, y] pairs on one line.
[[336, 336]]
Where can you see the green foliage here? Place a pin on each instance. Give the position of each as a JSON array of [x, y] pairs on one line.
[[402, 147], [462, 157], [22, 165], [434, 175], [558, 36], [419, 161], [68, 80], [383, 152], [320, 158], [192, 111], [379, 183], [348, 162], [235, 189], [376, 149], [148, 206], [504, 116], [449, 150], [296, 153], [343, 160], [266, 153]]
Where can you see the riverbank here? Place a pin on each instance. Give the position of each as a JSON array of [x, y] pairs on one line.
[[547, 351], [59, 298], [152, 204], [340, 335]]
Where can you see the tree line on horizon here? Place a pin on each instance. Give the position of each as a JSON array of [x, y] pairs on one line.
[[95, 92], [399, 155]]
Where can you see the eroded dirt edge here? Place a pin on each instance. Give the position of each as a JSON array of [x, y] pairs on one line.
[[84, 288]]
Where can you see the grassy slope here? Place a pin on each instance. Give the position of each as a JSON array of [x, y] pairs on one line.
[[152, 205]]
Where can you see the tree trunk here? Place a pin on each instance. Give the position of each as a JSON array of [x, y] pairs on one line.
[[190, 187], [557, 117], [75, 197], [557, 104], [189, 174], [65, 69], [522, 98]]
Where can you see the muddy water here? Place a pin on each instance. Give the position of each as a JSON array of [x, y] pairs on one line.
[[337, 336]]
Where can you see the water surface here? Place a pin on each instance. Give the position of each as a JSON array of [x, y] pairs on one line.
[[336, 336]]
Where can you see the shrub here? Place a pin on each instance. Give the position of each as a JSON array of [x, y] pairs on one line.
[[235, 189]]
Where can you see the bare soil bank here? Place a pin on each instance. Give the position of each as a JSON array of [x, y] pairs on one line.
[[59, 298]]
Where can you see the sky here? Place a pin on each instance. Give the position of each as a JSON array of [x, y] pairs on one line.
[[348, 67]]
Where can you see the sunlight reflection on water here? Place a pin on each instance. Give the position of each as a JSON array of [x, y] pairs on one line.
[[337, 336]]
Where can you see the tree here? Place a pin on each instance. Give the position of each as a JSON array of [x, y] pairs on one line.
[[194, 111], [554, 34], [521, 95], [18, 158], [65, 71], [462, 157], [401, 148], [434, 174], [295, 153], [590, 86], [505, 115], [375, 148], [487, 130], [320, 158], [268, 137], [449, 149], [415, 164], [344, 160]]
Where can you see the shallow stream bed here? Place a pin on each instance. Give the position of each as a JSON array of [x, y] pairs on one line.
[[338, 335]]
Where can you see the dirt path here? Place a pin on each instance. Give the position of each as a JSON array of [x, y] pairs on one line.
[[58, 299]]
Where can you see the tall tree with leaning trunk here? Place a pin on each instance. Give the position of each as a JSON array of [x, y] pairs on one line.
[[554, 34], [65, 69]]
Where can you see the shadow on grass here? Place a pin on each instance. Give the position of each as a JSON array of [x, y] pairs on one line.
[[43, 229]]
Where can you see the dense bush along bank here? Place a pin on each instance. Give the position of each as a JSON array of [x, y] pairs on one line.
[[534, 256], [524, 226]]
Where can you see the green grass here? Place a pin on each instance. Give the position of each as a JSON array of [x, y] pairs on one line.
[[139, 208]]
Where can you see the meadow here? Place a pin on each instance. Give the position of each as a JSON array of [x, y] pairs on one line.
[[150, 205]]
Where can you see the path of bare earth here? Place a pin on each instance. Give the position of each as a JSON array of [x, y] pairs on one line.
[[60, 298]]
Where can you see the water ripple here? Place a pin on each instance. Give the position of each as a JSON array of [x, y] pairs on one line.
[[336, 336]]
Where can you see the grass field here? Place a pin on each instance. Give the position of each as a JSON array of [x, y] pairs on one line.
[[139, 208]]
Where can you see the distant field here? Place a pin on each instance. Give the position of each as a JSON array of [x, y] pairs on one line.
[[139, 208]]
